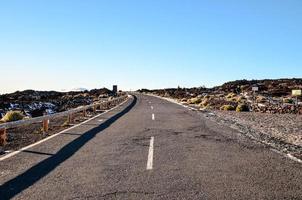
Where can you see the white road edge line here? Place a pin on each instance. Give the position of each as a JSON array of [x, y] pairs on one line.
[[54, 135], [153, 117], [293, 158], [150, 154], [289, 156]]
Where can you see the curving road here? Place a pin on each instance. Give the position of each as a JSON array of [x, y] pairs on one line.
[[149, 148]]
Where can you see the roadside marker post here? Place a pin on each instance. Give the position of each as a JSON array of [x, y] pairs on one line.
[[45, 125], [255, 89], [296, 93], [3, 137], [70, 119]]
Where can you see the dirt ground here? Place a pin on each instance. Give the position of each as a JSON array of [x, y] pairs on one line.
[[282, 131], [26, 135]]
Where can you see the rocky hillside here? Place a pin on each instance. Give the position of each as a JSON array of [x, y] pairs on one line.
[[274, 88], [34, 103], [273, 96]]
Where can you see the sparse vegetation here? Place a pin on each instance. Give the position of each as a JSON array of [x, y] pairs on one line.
[[242, 108], [66, 123], [204, 103], [240, 99], [12, 116], [39, 131], [268, 98], [233, 99], [288, 100], [227, 107], [261, 99], [195, 100], [231, 95]]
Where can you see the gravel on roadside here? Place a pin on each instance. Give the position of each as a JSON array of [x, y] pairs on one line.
[[281, 131]]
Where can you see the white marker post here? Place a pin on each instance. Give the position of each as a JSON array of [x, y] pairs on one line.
[[255, 89], [296, 93]]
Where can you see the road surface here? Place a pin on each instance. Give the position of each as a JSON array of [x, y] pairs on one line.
[[150, 148]]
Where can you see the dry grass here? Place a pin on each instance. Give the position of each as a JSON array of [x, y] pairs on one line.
[[12, 116]]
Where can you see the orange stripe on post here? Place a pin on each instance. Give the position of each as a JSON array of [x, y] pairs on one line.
[[45, 125], [3, 137]]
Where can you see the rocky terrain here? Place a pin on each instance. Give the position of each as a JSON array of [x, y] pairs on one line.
[[21, 136], [273, 96], [36, 103]]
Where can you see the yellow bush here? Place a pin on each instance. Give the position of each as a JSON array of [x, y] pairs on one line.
[[12, 116], [205, 107], [260, 99], [242, 108], [204, 103], [227, 107], [233, 99], [230, 95], [240, 99], [195, 100]]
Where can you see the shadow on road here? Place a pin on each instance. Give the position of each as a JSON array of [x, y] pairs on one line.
[[14, 186]]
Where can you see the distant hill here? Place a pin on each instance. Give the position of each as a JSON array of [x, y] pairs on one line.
[[78, 90]]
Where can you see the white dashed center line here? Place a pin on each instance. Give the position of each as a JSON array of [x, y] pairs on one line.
[[150, 155], [153, 117], [151, 107]]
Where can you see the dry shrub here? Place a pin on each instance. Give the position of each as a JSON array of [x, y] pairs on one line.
[[227, 107], [12, 116]]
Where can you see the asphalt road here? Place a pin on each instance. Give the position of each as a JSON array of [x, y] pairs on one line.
[[150, 148]]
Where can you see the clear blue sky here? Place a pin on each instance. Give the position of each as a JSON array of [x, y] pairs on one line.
[[61, 44]]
